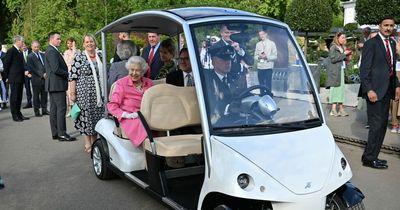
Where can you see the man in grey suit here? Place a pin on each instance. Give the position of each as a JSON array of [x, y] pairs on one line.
[[57, 84], [37, 71]]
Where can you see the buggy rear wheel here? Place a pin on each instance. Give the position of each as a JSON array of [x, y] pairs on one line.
[[100, 162]]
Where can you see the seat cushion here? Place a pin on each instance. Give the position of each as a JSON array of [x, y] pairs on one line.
[[171, 146]]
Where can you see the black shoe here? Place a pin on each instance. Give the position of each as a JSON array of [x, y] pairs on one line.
[[382, 161], [55, 137], [27, 106], [374, 164], [378, 160], [17, 119], [37, 113], [66, 137], [4, 106], [45, 112], [23, 117]]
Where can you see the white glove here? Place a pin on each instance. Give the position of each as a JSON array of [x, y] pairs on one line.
[[127, 115]]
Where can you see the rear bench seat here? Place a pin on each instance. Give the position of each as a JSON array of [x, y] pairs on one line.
[[166, 107]]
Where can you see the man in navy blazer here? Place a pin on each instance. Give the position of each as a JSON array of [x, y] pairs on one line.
[[183, 77], [56, 83], [35, 62], [15, 73], [154, 61], [379, 85]]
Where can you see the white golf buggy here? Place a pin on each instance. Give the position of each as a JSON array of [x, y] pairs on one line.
[[270, 147]]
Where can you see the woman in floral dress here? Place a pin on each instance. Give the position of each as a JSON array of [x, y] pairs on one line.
[[86, 89]]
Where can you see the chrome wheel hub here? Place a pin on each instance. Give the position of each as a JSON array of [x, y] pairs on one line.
[[97, 161]]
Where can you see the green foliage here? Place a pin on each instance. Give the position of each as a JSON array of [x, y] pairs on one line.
[[314, 54], [350, 27], [272, 8], [338, 20], [14, 5], [370, 12], [335, 5], [309, 15]]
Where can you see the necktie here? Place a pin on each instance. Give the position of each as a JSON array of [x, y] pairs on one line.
[[189, 80], [389, 57], [224, 80], [25, 55], [40, 58], [149, 61]]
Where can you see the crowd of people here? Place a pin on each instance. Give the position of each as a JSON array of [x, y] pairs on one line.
[[76, 78]]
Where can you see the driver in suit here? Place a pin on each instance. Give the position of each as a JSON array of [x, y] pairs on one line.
[[221, 86]]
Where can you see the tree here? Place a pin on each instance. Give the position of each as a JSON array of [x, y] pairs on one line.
[[34, 19], [269, 8], [309, 16], [5, 20], [370, 12]]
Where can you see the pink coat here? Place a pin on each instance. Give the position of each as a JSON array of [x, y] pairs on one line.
[[126, 98]]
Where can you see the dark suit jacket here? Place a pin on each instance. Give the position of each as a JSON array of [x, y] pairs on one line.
[[56, 71], [156, 62], [218, 94], [236, 67], [14, 66], [175, 78], [26, 61], [375, 68], [36, 68]]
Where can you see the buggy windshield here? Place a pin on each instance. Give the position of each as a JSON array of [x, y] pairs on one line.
[[253, 77]]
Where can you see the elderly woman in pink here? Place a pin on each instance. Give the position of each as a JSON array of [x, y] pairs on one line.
[[127, 96]]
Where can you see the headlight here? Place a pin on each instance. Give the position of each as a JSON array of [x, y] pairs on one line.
[[343, 162], [243, 180]]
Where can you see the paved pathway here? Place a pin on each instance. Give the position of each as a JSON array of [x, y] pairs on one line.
[[353, 128]]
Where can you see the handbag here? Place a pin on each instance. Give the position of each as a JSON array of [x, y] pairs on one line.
[[75, 111]]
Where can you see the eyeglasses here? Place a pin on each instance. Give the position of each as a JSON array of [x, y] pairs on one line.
[[181, 59]]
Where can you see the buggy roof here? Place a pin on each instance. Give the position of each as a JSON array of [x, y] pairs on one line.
[[168, 22]]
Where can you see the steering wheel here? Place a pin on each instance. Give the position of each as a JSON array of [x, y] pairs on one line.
[[237, 101], [263, 91]]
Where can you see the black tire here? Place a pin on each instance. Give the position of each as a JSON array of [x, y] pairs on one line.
[[336, 203], [100, 162]]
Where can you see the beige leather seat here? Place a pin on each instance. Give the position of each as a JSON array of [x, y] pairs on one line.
[[166, 107], [159, 81]]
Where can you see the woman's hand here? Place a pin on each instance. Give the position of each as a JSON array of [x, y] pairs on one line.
[[72, 96], [127, 115], [348, 51]]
